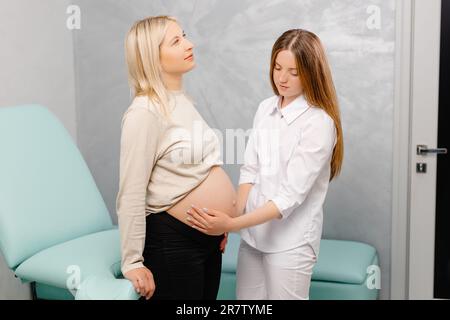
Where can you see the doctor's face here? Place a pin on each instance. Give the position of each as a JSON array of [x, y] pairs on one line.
[[176, 52], [285, 75]]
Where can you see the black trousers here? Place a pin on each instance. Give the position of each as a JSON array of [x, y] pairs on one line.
[[186, 264]]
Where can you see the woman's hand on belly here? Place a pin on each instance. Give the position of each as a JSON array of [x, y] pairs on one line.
[[213, 222]]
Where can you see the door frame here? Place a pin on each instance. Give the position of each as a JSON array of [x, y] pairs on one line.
[[401, 147], [408, 58]]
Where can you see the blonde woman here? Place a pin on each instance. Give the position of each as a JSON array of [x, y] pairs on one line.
[[169, 159], [294, 151]]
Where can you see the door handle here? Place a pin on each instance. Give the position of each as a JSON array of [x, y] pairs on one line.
[[423, 150]]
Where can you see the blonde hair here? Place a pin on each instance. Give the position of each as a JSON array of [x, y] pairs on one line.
[[316, 79], [142, 52]]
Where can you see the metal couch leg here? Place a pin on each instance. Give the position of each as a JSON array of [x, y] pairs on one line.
[[33, 291]]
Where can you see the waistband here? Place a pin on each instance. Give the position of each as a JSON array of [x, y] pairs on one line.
[[168, 220]]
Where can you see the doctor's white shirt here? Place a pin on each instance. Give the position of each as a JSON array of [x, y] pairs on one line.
[[287, 159]]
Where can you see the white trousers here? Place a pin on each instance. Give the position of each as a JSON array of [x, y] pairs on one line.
[[274, 276]]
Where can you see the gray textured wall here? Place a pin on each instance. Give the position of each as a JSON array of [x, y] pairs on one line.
[[233, 41], [36, 63]]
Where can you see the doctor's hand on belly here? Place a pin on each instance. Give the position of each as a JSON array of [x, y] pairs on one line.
[[209, 221], [215, 222]]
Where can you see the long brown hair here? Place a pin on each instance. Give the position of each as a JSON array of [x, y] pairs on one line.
[[316, 79]]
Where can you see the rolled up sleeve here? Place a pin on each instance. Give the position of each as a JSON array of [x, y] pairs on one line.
[[312, 153], [138, 153], [249, 170]]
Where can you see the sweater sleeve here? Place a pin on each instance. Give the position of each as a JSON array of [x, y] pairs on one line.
[[138, 153]]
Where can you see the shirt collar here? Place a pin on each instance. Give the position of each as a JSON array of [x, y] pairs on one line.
[[292, 111]]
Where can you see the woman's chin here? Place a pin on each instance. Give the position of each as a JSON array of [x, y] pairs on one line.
[[191, 66]]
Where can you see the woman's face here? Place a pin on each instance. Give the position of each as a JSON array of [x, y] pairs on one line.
[[285, 75], [176, 52]]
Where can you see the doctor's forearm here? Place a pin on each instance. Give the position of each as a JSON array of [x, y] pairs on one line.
[[242, 196], [258, 216]]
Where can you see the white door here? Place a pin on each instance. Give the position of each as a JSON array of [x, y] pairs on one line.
[[424, 103]]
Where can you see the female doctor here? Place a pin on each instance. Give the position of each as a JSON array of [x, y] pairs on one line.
[[294, 151]]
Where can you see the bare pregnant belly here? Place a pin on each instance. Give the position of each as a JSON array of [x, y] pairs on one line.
[[215, 192]]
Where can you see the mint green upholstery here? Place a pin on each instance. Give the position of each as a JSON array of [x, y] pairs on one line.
[[89, 255], [334, 290], [227, 288], [341, 271], [52, 214], [229, 258], [46, 292], [339, 274]]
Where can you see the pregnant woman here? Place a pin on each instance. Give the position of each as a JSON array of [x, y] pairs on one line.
[[169, 159]]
